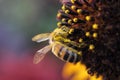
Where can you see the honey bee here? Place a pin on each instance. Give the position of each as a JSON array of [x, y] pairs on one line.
[[58, 44]]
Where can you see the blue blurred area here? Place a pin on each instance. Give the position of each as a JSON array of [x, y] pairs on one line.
[[20, 20]]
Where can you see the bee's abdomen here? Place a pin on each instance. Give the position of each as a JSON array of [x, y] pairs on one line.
[[71, 56], [65, 53]]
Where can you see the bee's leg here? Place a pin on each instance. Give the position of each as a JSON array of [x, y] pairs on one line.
[[73, 43], [67, 41]]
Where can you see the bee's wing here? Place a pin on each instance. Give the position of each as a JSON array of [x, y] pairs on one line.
[[41, 37], [40, 54]]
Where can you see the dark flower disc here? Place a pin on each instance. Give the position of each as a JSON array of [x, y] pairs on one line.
[[96, 23]]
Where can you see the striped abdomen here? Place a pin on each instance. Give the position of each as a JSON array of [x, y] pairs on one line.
[[66, 53]]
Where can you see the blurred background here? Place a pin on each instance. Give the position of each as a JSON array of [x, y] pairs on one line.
[[20, 20]]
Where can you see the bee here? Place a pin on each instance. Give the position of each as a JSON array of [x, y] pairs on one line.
[[58, 44]]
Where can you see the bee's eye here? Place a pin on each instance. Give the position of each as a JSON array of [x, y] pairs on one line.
[[64, 28]]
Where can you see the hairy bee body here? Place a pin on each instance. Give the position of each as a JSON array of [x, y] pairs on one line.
[[62, 50], [66, 53], [59, 43]]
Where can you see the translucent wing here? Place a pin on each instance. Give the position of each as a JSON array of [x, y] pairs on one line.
[[40, 54], [41, 37]]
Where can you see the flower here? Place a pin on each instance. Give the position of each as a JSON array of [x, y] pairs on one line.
[[96, 23], [78, 72]]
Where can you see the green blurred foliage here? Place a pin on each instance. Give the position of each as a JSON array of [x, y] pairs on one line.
[[28, 17]]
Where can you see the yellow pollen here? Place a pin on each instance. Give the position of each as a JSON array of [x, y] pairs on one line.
[[58, 38], [63, 20], [87, 34], [73, 1], [75, 19], [88, 18], [73, 7], [71, 30], [80, 53], [63, 7], [69, 21], [59, 14], [79, 11], [91, 46], [67, 11], [95, 26], [80, 40], [67, 40], [95, 35], [59, 24]]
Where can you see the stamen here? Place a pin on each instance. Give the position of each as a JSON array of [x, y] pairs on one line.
[[95, 35], [69, 21], [91, 47], [59, 24], [73, 7], [80, 53], [95, 26], [79, 11], [88, 18], [67, 11], [80, 40], [75, 20], [71, 30], [87, 34], [63, 7], [63, 20], [73, 1]]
